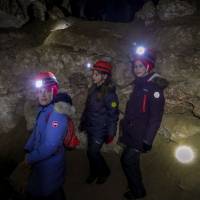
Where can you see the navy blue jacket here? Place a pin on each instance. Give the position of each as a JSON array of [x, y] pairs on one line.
[[101, 114], [144, 111], [46, 153]]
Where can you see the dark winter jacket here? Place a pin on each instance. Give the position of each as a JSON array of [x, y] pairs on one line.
[[144, 111], [101, 113], [46, 151]]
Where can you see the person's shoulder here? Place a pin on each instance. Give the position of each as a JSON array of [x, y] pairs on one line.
[[111, 87], [111, 93], [64, 108], [158, 82]]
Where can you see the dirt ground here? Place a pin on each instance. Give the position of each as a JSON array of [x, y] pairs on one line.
[[164, 177], [76, 188], [159, 183]]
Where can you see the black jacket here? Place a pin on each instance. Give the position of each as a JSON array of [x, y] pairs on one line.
[[144, 111], [100, 116]]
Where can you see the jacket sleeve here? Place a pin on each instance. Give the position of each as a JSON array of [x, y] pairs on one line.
[[54, 137], [111, 102], [156, 109], [82, 124], [30, 142]]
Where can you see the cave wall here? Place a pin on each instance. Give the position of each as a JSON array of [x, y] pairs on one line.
[[65, 46]]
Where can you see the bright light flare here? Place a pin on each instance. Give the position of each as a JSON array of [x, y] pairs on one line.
[[184, 154], [88, 65], [140, 50], [38, 83]]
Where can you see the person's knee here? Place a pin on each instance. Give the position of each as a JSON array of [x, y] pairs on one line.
[[127, 159], [92, 152], [124, 159]]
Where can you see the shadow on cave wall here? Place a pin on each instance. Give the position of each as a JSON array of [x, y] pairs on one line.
[[11, 152], [106, 10]]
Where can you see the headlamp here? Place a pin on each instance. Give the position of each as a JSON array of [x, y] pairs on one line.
[[38, 83], [88, 65], [140, 50]]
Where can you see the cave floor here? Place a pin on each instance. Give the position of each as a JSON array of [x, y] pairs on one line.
[[158, 184], [159, 178]]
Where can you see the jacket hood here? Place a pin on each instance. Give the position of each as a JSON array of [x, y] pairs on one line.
[[159, 80], [64, 108]]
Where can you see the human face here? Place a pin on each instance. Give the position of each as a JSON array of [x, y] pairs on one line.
[[139, 69], [45, 96], [98, 78]]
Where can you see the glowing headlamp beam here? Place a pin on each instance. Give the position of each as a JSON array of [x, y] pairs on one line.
[[88, 65], [38, 83], [140, 50]]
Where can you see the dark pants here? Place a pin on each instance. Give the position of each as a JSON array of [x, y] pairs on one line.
[[98, 166], [130, 161], [57, 195]]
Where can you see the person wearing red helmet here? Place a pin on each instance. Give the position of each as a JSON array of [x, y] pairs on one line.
[[47, 87], [99, 119], [143, 115], [146, 57], [44, 148]]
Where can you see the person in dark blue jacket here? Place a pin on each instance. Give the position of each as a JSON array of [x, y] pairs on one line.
[[45, 150], [142, 119], [99, 120]]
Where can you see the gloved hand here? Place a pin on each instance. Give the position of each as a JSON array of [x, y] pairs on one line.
[[109, 139], [146, 147]]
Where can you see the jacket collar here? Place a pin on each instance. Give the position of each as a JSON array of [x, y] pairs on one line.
[[153, 78], [141, 81], [44, 108]]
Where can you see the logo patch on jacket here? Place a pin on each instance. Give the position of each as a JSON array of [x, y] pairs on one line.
[[156, 95], [54, 124], [113, 104]]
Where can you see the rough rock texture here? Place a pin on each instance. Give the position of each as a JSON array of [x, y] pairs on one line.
[[42, 46], [8, 21], [66, 52], [16, 13], [147, 13], [11, 111], [179, 126], [171, 9]]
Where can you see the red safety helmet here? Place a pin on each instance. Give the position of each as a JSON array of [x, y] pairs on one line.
[[146, 56], [103, 66], [47, 80]]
